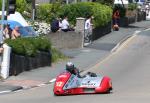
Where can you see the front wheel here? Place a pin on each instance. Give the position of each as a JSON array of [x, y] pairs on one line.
[[109, 90]]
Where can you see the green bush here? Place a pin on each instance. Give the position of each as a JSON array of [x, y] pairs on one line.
[[29, 46], [21, 5], [75, 10], [43, 12], [16, 46], [47, 12], [102, 13]]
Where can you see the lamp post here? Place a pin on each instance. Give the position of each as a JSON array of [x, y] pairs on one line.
[[2, 19], [33, 10]]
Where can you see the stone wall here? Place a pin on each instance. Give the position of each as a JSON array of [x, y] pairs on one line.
[[68, 39]]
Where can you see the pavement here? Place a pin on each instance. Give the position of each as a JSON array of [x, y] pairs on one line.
[[84, 58]]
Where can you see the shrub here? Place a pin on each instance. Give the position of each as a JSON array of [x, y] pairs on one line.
[[47, 12], [21, 5], [102, 14], [16, 46], [43, 12], [75, 10], [29, 46]]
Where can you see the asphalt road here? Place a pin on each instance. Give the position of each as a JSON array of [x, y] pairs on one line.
[[128, 67]]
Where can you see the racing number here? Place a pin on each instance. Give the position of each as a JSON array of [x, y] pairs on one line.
[[58, 84]]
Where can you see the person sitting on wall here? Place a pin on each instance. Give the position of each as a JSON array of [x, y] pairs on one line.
[[55, 25], [65, 26]]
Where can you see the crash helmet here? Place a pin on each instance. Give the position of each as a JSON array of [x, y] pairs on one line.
[[70, 66]]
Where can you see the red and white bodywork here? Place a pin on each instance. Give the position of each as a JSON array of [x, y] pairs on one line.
[[69, 84]]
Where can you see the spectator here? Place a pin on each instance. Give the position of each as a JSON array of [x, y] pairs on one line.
[[55, 25], [1, 48], [7, 32], [65, 25], [88, 29], [15, 33], [147, 9], [116, 19]]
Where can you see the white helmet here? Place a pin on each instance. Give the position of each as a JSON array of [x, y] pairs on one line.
[[70, 66]]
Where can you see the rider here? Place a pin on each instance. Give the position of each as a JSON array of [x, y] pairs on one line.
[[72, 69]]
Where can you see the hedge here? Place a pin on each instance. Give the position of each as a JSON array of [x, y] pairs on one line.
[[47, 12], [29, 46], [102, 13]]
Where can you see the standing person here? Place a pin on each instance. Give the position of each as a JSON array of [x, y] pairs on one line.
[[55, 25], [15, 33], [88, 29], [147, 9], [65, 24], [116, 18]]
